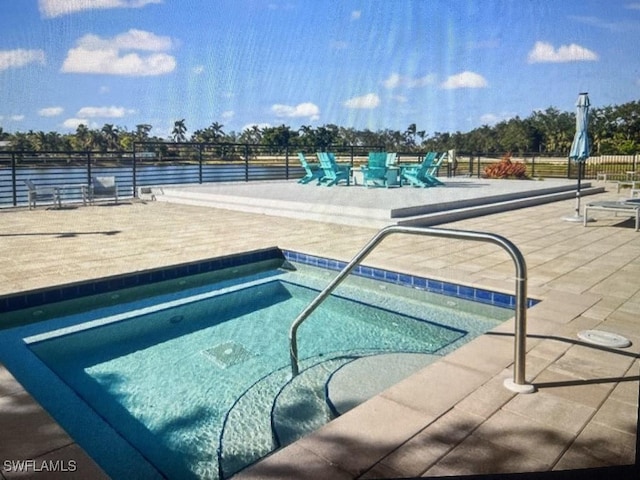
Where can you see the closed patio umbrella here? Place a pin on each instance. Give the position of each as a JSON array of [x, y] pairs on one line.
[[580, 147]]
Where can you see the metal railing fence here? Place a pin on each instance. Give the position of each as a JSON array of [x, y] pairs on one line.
[[153, 163], [164, 163]]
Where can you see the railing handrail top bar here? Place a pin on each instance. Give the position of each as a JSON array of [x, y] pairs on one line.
[[506, 244]]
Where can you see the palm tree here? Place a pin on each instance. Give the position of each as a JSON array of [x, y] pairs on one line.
[[20, 141], [212, 134], [216, 131], [81, 138], [110, 134], [252, 135], [142, 132], [39, 140], [410, 136], [179, 131], [96, 141]]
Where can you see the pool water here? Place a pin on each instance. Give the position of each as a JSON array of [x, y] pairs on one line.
[[188, 385]]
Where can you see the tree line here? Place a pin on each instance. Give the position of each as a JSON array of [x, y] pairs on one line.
[[612, 130]]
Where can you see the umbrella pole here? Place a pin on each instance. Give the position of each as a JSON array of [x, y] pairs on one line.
[[576, 216], [578, 190]]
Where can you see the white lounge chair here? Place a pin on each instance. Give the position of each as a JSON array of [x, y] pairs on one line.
[[42, 194], [103, 187]]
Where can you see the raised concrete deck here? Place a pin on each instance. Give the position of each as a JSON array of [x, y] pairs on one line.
[[454, 417], [357, 205]]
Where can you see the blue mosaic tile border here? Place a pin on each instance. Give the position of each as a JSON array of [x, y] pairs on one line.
[[437, 286], [104, 285], [68, 292]]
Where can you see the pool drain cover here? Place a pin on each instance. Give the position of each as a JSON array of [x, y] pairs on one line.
[[228, 354], [604, 339]]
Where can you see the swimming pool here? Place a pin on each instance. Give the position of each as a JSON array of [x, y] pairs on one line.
[[194, 383]]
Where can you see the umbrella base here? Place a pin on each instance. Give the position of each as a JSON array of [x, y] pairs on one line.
[[577, 218]]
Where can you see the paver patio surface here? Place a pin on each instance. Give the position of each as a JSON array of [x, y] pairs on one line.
[[454, 417]]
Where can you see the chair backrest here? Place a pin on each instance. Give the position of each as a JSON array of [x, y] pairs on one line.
[[377, 160], [435, 165], [328, 164], [104, 185], [30, 185], [325, 160], [392, 159], [426, 163], [304, 163]]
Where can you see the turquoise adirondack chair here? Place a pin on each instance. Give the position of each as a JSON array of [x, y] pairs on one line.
[[311, 173], [375, 172], [432, 172], [424, 175], [333, 173]]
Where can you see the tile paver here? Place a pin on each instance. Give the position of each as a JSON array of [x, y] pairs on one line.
[[587, 278]]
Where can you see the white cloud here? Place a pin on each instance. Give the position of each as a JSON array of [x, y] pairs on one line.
[[395, 80], [370, 100], [544, 52], [307, 109], [133, 39], [20, 57], [50, 111], [56, 8], [74, 123], [356, 14], [16, 118], [103, 112], [228, 114], [464, 80], [114, 56], [198, 69], [104, 89]]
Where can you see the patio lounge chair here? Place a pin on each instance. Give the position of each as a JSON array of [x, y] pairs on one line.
[[311, 173], [424, 174], [629, 207], [333, 173], [41, 194], [375, 172], [103, 187]]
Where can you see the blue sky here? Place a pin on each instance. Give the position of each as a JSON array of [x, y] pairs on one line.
[[446, 65]]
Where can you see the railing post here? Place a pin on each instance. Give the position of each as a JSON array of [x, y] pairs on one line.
[[533, 165], [286, 162], [246, 162], [88, 167], [13, 179], [134, 171], [200, 163]]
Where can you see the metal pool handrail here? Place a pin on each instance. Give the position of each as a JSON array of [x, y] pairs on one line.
[[518, 383]]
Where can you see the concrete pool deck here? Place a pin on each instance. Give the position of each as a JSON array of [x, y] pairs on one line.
[[357, 205], [453, 417]]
